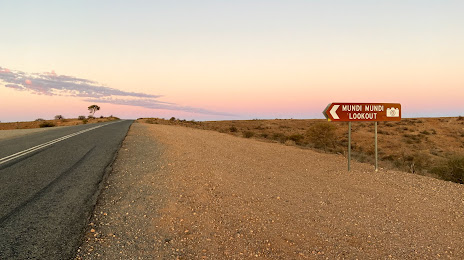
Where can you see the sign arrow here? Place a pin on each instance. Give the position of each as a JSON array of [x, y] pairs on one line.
[[347, 112], [333, 112]]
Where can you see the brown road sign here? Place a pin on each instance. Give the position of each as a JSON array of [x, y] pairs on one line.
[[344, 112]]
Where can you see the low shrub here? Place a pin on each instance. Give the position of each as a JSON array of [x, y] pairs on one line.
[[40, 119], [451, 170], [233, 129], [418, 162], [297, 138], [151, 121], [58, 117], [46, 124], [290, 142], [412, 139], [90, 117], [248, 134], [425, 132], [322, 135], [172, 119], [279, 137], [81, 117]]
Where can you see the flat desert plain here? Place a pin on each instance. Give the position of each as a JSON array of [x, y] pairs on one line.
[[420, 145], [185, 193], [52, 123]]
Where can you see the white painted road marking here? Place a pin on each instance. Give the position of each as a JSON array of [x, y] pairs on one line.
[[40, 146]]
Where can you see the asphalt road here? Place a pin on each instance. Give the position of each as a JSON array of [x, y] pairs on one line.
[[47, 193]]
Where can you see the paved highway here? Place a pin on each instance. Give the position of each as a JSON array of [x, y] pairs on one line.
[[49, 182]]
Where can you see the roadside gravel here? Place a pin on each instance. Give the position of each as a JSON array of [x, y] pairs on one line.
[[184, 193]]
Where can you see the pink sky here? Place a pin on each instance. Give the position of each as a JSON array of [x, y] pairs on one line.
[[230, 60]]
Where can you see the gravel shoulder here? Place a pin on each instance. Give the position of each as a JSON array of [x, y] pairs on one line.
[[183, 193]]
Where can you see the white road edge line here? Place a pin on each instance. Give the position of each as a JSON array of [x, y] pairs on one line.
[[40, 146]]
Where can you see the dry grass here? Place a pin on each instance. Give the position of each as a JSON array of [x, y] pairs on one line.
[[51, 123], [415, 144]]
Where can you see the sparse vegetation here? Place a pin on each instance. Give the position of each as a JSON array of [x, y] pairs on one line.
[[151, 121], [297, 138], [279, 137], [248, 134], [40, 123], [322, 135], [425, 132], [58, 117], [46, 124], [451, 170], [409, 145]]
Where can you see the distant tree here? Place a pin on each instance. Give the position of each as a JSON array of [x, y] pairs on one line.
[[58, 117], [93, 109]]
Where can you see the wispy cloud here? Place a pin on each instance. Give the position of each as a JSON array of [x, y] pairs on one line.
[[148, 103], [49, 83]]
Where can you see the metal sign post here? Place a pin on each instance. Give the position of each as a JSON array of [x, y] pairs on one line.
[[359, 112], [349, 146], [376, 154]]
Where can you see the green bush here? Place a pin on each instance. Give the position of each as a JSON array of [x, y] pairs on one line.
[[46, 124]]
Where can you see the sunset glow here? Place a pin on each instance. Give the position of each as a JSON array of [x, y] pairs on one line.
[[214, 60]]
